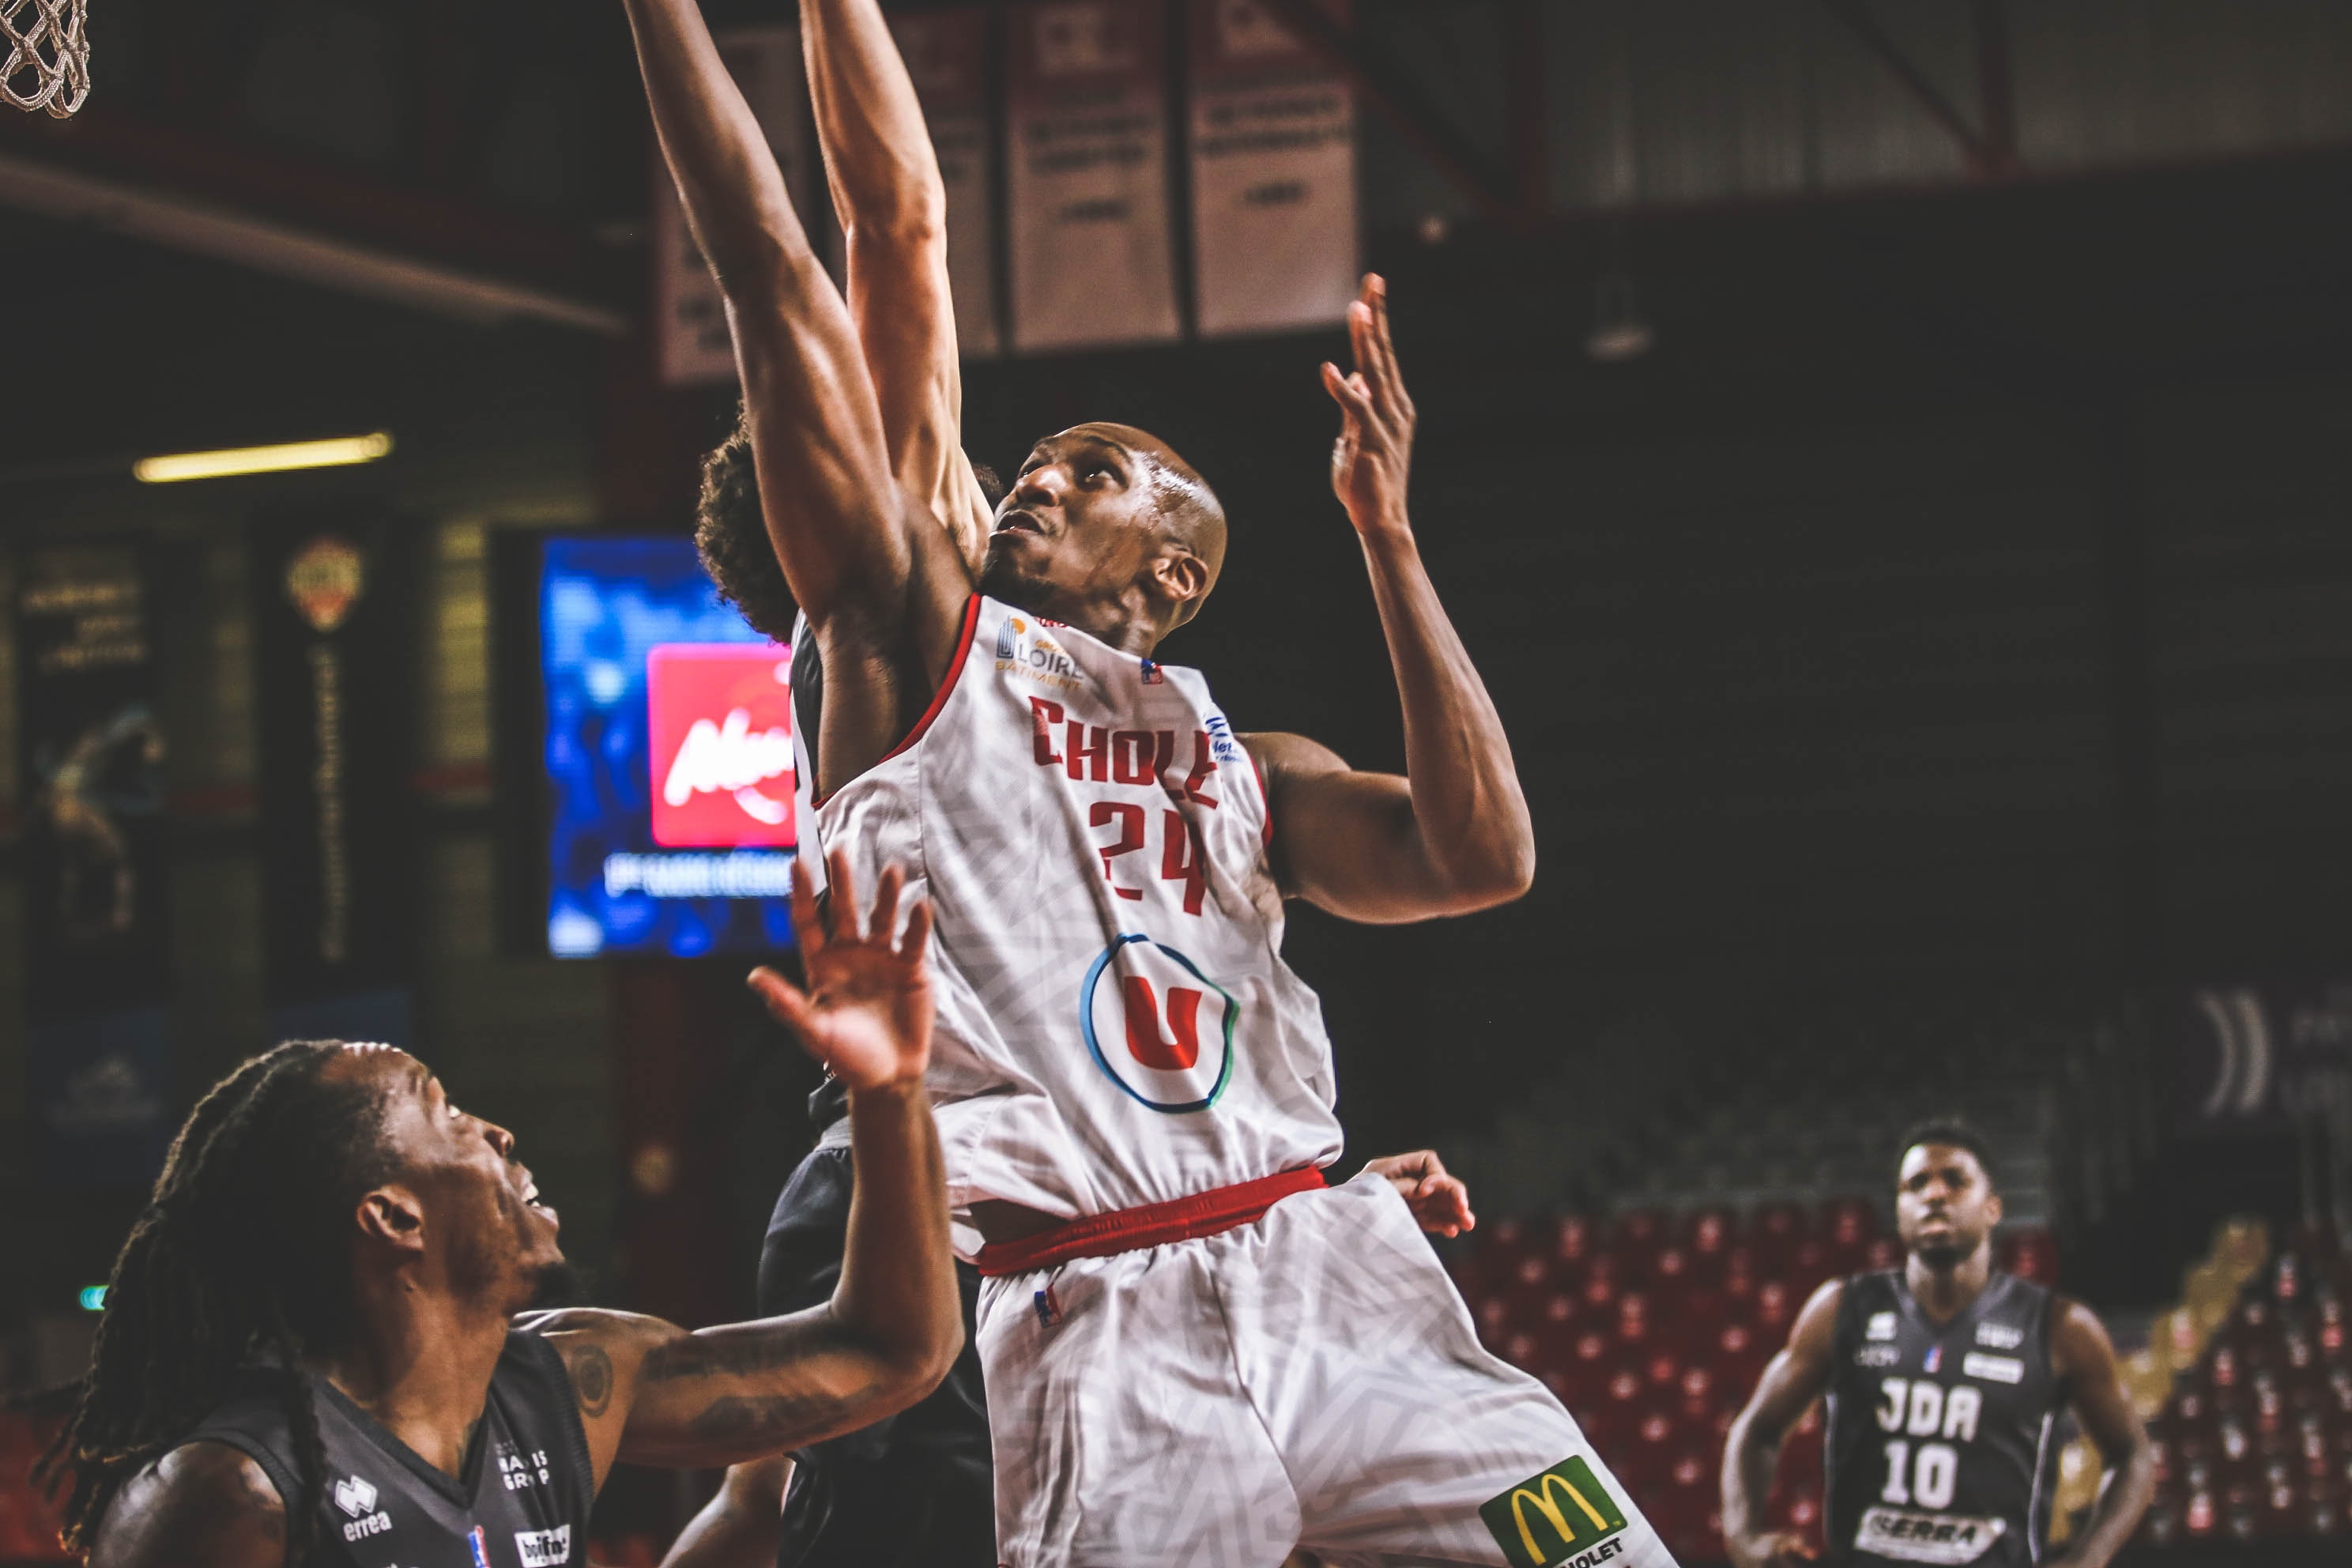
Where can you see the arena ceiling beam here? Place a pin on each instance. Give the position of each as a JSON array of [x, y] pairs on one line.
[[1391, 90], [1990, 150], [220, 197]]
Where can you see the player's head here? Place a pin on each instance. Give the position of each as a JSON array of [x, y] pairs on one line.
[[305, 1187], [733, 536], [731, 532], [1106, 528], [1945, 1206]]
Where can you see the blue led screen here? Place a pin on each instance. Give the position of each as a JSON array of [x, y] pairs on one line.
[[671, 829]]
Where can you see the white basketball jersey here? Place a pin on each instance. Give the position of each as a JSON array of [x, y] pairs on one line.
[[1116, 1024]]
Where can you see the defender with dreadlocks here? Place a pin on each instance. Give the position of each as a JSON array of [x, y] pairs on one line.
[[309, 1355]]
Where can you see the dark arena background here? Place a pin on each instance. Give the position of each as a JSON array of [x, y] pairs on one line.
[[1891, 460]]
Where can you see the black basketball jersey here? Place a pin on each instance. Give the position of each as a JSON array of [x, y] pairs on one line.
[[521, 1502], [1942, 1445]]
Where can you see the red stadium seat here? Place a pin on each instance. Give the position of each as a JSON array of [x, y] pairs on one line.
[[1775, 1230], [1572, 1242], [1637, 1231], [1493, 1316], [1527, 1287]]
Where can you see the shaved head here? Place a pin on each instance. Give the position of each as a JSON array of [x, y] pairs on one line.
[[1191, 513], [1107, 528]]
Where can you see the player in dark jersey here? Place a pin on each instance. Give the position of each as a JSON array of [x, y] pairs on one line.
[[1945, 1381], [310, 1354]]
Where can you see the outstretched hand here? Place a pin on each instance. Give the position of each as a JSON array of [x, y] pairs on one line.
[[1440, 1202], [1374, 451], [866, 1013]]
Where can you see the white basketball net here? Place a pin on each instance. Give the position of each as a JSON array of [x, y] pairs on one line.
[[48, 54]]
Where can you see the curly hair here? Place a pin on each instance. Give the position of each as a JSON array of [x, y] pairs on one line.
[[236, 1267], [731, 534]]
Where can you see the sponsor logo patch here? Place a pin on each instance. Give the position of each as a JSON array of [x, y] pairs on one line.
[[1999, 1336], [1881, 1326], [544, 1548], [1029, 653], [1944, 1538], [1560, 1514], [1993, 1368], [1876, 1355], [1157, 1027], [354, 1496]]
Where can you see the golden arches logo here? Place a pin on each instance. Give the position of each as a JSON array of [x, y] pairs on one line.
[[1567, 1499], [1568, 1532]]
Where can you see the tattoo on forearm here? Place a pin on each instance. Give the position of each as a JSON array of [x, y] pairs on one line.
[[737, 1356], [591, 1379], [738, 1420]]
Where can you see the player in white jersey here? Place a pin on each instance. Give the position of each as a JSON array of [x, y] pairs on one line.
[[1194, 1353]]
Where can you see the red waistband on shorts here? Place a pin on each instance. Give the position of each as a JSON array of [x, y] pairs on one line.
[[1212, 1213]]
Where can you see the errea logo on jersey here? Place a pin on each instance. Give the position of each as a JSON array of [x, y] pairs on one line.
[[356, 1498], [720, 731], [1157, 1027]]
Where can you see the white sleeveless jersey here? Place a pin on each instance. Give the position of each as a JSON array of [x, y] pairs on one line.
[[1116, 1024]]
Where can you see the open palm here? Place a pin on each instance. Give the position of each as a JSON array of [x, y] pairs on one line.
[[867, 1013]]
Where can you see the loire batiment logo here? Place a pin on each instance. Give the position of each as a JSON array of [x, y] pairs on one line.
[[719, 737], [1550, 1519]]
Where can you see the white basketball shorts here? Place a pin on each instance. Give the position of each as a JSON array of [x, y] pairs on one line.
[[1308, 1379]]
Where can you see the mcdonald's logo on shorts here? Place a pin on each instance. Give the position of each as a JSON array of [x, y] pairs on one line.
[[1550, 1518]]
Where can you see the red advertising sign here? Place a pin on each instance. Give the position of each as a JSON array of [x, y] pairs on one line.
[[720, 723]]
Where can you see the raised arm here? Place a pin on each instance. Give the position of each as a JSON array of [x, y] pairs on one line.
[[653, 1394], [887, 192], [2086, 1358], [841, 531], [1452, 834], [1751, 1452]]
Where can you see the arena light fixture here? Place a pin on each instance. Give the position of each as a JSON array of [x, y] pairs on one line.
[[342, 450]]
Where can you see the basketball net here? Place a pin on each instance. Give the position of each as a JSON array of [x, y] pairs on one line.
[[48, 54]]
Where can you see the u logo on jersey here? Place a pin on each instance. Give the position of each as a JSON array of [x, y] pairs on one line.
[[1157, 1027]]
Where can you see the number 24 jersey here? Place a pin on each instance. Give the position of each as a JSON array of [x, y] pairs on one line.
[[1116, 1024]]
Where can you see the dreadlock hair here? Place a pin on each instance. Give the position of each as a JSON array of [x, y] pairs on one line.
[[731, 534], [235, 1266]]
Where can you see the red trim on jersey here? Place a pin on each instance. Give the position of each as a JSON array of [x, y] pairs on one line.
[[1264, 800], [1212, 1213], [938, 699]]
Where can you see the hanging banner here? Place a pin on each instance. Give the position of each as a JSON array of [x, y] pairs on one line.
[[689, 314], [333, 642], [1273, 174], [94, 848], [1092, 255], [947, 55]]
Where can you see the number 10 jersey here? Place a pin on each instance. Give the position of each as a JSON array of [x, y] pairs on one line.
[[1942, 1446], [1116, 1024]]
